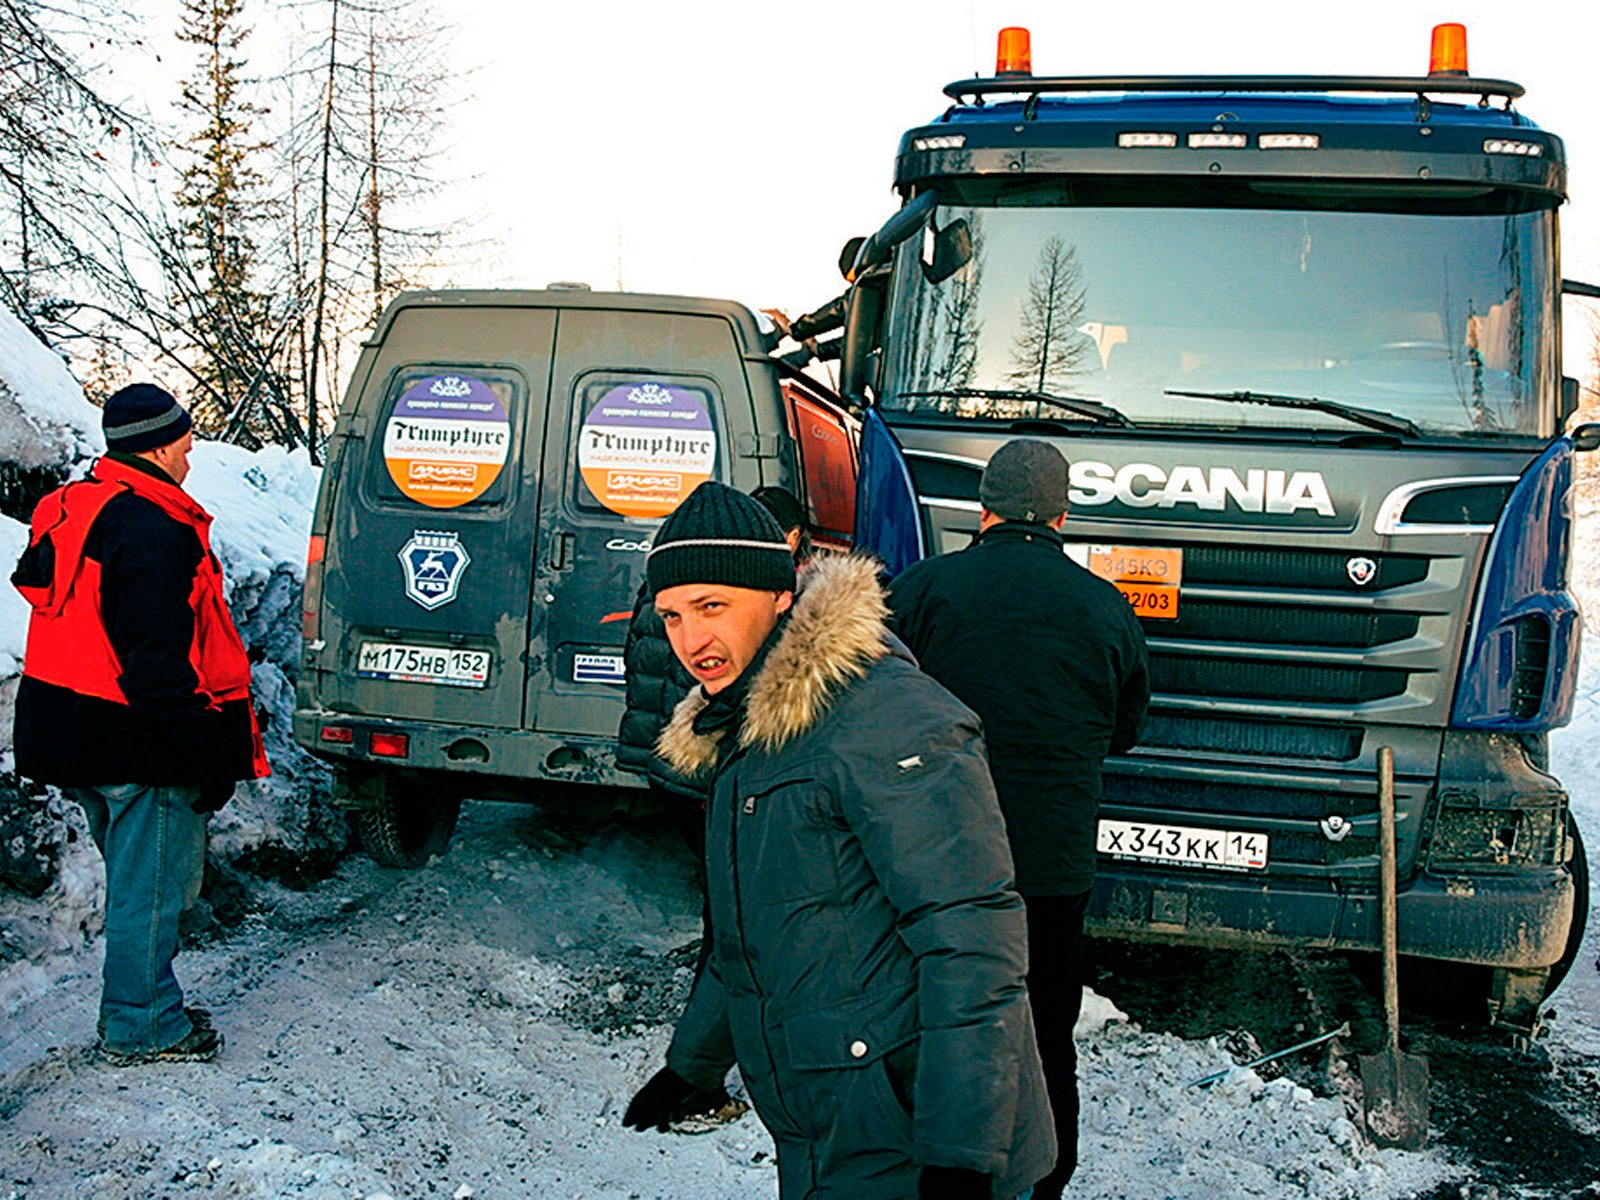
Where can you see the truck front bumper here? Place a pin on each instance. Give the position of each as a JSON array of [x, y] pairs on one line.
[[1518, 922]]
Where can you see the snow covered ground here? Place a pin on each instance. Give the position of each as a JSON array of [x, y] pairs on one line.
[[475, 1029]]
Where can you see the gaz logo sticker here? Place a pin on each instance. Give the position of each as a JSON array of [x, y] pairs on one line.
[[644, 447], [446, 440], [434, 562]]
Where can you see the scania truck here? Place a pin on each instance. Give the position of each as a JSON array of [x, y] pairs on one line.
[[1300, 340]]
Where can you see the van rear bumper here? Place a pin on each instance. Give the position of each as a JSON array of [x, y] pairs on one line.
[[1515, 921], [482, 757]]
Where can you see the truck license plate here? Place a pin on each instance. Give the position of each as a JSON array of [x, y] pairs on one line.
[[446, 665], [1149, 576], [1223, 849]]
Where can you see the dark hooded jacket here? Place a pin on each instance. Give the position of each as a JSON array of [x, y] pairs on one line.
[[657, 683], [869, 952], [1053, 659]]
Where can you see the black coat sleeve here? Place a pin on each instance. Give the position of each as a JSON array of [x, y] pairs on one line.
[[1133, 691]]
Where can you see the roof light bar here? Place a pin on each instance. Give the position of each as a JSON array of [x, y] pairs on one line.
[[1506, 146], [1290, 141], [1218, 141], [1142, 140], [949, 141]]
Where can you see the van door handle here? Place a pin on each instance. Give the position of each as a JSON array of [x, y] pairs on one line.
[[561, 556]]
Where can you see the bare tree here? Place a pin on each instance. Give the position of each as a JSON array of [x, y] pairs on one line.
[[368, 87], [1047, 346], [62, 147]]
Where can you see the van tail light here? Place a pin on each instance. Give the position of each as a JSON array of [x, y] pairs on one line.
[[311, 602], [1520, 668], [390, 745], [340, 735]]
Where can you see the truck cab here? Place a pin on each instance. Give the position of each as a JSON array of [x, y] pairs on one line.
[[497, 470], [1299, 339]]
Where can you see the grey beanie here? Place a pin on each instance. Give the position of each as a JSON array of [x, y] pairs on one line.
[[141, 417], [1026, 480], [720, 535]]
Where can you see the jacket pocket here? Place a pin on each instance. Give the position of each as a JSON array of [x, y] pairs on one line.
[[840, 1059], [788, 843]]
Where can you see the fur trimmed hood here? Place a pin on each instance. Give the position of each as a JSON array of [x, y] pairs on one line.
[[833, 635]]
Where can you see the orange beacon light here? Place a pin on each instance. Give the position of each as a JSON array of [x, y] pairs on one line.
[[1014, 56], [1448, 55]]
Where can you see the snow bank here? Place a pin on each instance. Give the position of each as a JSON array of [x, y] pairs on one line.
[[44, 419]]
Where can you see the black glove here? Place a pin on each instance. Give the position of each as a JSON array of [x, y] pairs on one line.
[[667, 1097], [213, 795], [953, 1183]]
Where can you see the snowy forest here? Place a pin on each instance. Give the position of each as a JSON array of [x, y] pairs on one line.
[[237, 246]]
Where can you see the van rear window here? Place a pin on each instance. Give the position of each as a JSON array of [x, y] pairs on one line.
[[445, 438], [643, 444]]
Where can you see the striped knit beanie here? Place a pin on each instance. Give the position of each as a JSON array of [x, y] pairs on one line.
[[142, 416], [720, 535]]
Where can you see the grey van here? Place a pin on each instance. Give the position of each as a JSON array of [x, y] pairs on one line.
[[496, 472]]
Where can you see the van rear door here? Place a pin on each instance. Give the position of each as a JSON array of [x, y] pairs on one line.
[[430, 564], [644, 407]]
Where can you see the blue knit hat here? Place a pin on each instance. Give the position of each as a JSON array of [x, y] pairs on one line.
[[720, 535], [143, 416]]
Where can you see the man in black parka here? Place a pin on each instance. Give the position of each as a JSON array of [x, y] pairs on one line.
[[868, 948], [1053, 660]]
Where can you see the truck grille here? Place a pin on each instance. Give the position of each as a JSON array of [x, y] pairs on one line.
[[1291, 625], [1297, 570], [1272, 739], [1209, 676]]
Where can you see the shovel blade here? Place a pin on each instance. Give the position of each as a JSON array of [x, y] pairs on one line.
[[1394, 1098]]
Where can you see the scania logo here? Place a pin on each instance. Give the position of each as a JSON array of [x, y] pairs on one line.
[[1145, 485], [1362, 571]]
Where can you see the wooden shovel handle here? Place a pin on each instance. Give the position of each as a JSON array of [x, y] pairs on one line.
[[1388, 896]]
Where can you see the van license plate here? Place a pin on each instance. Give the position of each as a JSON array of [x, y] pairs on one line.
[[450, 666], [1181, 845]]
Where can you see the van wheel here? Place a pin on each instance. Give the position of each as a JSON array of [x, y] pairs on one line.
[[407, 826], [1579, 866]]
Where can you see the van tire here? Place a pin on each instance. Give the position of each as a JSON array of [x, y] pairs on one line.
[[407, 826], [1578, 865]]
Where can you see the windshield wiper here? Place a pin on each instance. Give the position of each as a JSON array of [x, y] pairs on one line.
[[1100, 414], [1372, 418]]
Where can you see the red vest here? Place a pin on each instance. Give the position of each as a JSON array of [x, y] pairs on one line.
[[67, 641]]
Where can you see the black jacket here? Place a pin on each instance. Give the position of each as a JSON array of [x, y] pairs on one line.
[[657, 682], [868, 948], [1053, 660]]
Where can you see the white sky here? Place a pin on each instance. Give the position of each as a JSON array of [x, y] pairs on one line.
[[727, 147]]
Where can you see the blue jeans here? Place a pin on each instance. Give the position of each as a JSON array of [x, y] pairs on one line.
[[154, 846]]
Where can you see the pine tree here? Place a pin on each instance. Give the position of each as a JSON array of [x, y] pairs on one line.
[[221, 200]]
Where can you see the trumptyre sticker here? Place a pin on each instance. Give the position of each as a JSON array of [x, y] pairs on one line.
[[446, 440], [644, 447]]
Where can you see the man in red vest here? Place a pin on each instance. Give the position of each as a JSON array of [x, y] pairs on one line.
[[135, 700]]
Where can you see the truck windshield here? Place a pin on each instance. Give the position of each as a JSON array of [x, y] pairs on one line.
[[1443, 320]]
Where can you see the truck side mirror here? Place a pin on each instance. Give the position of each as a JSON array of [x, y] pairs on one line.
[[1586, 436], [863, 314], [1569, 398], [945, 251]]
